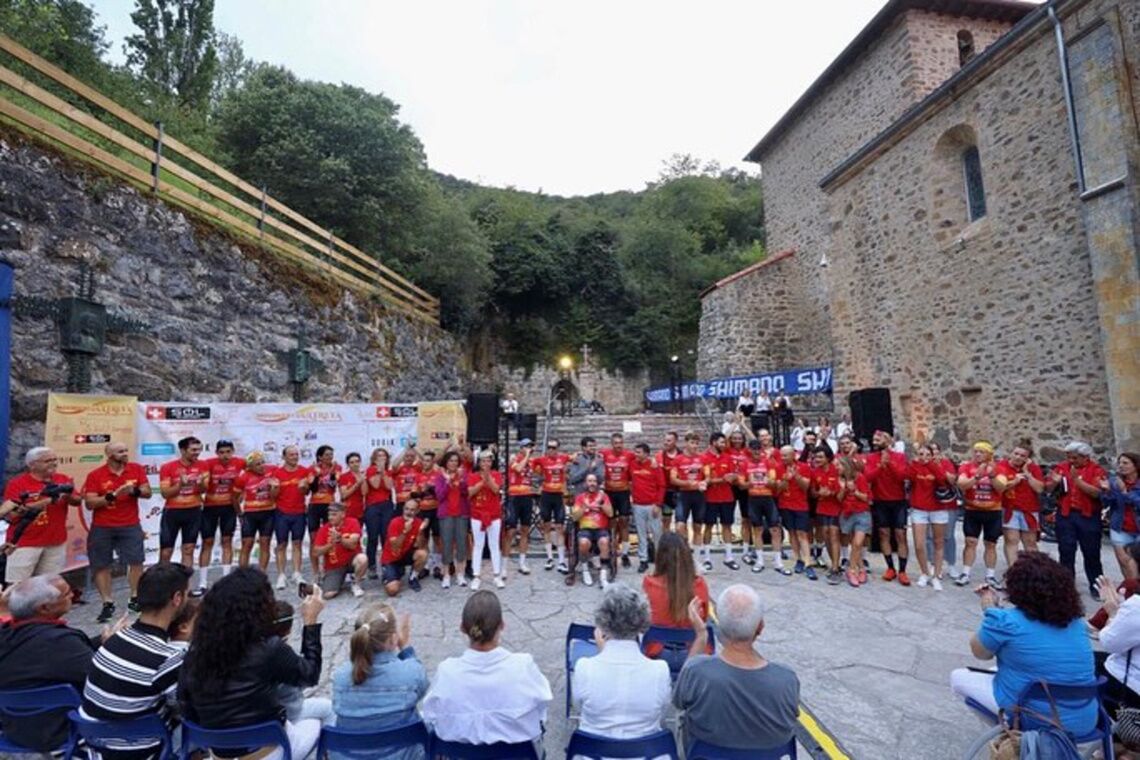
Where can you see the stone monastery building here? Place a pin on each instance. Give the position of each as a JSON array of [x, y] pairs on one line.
[[952, 211]]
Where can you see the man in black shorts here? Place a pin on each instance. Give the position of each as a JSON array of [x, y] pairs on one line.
[[983, 512], [617, 462], [886, 470], [218, 511], [552, 505], [404, 548], [182, 483], [665, 458], [520, 502]]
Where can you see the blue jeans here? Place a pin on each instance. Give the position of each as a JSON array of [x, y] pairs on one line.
[[376, 519], [1075, 531]]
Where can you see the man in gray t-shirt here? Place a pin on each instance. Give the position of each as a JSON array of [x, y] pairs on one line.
[[737, 699]]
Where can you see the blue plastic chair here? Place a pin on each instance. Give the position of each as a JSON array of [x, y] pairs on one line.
[[704, 751], [269, 734], [28, 703], [594, 747], [579, 644], [374, 743], [496, 751], [675, 645], [97, 733]]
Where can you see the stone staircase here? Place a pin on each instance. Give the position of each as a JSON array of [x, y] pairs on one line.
[[638, 428]]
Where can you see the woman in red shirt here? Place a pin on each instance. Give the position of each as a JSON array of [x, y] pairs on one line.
[[379, 504], [483, 491], [924, 475], [825, 486], [672, 585]]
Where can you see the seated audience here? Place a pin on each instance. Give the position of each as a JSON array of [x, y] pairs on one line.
[[297, 706], [672, 585], [1040, 638], [236, 663], [383, 680], [1119, 637], [488, 694], [135, 673], [181, 628], [38, 648], [736, 698], [402, 556], [623, 694], [1123, 590]]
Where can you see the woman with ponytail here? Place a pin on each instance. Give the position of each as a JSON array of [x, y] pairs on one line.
[[383, 680]]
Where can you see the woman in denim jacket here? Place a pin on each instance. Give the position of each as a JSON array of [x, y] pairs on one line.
[[1121, 494], [383, 680]]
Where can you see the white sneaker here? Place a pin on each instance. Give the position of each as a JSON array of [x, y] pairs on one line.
[[446, 582], [524, 569], [475, 584], [298, 578], [499, 582], [605, 579], [586, 577], [963, 579], [357, 591], [936, 584], [923, 581], [463, 580], [280, 585]]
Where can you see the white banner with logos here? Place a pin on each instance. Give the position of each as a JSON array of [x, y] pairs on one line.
[[269, 428]]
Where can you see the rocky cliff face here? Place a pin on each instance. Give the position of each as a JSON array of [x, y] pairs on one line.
[[218, 314]]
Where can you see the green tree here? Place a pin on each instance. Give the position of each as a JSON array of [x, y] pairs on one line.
[[62, 31], [174, 50]]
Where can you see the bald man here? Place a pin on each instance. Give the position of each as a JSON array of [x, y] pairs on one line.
[[112, 493]]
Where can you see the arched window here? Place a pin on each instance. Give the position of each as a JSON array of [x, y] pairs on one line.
[[965, 47], [975, 188]]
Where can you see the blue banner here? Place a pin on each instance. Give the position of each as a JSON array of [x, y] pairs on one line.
[[792, 382]]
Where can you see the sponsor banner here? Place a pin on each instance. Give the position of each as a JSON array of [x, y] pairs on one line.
[[78, 427], [439, 423], [793, 382], [269, 428]]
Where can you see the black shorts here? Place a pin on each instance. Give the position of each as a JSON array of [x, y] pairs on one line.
[[289, 528], [670, 503], [691, 505], [316, 516], [621, 503], [795, 520], [740, 496], [395, 572], [520, 509], [551, 508], [890, 514], [827, 521], [259, 523], [103, 542], [719, 511], [762, 512], [431, 517], [218, 517], [188, 522], [983, 522]]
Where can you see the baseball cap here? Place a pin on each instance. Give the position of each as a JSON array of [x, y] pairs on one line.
[[526, 442]]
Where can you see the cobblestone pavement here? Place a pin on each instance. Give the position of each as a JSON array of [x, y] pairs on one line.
[[873, 662]]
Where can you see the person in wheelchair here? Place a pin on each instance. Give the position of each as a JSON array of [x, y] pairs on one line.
[[592, 513]]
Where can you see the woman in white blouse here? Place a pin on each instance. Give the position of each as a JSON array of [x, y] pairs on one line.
[[488, 694], [622, 693], [1120, 639]]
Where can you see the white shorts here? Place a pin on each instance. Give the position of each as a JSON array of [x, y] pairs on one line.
[[28, 561], [935, 517]]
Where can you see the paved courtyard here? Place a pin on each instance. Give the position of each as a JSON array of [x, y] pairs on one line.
[[873, 662]]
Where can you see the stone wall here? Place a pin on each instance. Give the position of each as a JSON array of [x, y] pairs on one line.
[[618, 392], [218, 313]]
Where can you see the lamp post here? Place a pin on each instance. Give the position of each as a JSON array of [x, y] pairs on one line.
[[675, 383], [565, 365]]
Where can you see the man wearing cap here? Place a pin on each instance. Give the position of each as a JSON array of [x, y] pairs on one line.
[[218, 511], [977, 479], [520, 502], [337, 542], [112, 492], [1078, 515]]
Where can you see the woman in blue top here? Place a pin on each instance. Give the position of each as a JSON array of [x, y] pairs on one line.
[[383, 680], [1041, 638], [1121, 494]]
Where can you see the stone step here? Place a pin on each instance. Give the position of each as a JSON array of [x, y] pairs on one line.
[[569, 430]]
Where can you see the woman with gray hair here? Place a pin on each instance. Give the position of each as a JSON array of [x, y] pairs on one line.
[[622, 693]]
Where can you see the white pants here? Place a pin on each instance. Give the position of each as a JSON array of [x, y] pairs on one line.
[[977, 686], [482, 537], [303, 736]]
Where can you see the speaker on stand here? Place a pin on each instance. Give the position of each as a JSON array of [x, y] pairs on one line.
[[482, 418]]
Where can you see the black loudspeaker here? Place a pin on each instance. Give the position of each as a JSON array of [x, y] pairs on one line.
[[870, 411], [482, 417], [528, 426]]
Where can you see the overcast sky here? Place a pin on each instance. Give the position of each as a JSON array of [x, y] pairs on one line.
[[567, 97]]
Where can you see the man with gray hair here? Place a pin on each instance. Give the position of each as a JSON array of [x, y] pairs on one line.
[[1078, 513], [36, 503], [38, 648], [736, 698]]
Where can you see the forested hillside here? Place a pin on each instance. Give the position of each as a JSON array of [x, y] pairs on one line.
[[541, 273]]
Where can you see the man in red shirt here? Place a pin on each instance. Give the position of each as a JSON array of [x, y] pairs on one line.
[[400, 553], [257, 505], [293, 482], [793, 481], [720, 504], [665, 458], [983, 512], [520, 502], [1078, 516], [351, 484], [36, 503], [617, 461], [886, 471], [182, 483], [1020, 482], [218, 510], [337, 544], [593, 513], [758, 473], [322, 493], [647, 490], [688, 477], [552, 507], [826, 486], [112, 492]]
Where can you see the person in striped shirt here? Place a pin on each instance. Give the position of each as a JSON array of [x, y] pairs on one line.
[[135, 672]]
